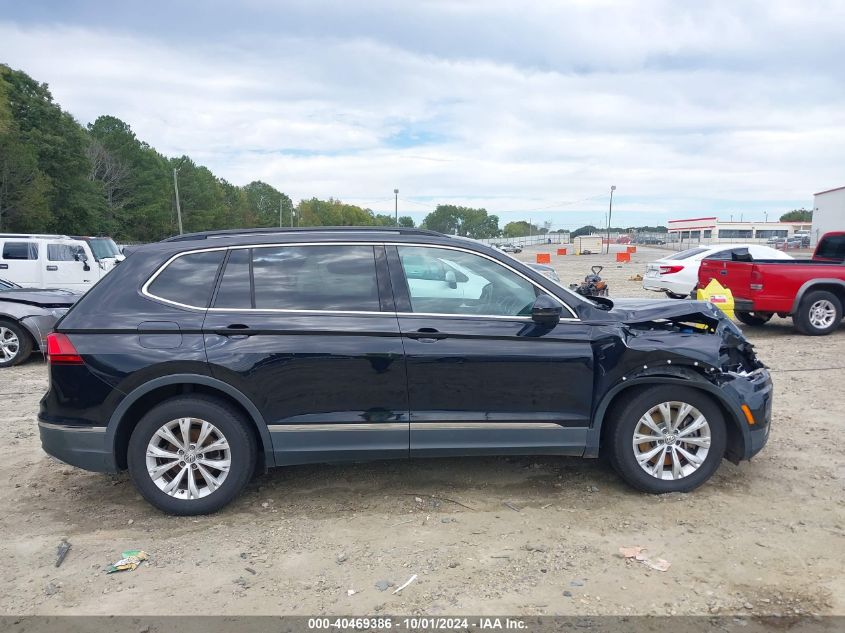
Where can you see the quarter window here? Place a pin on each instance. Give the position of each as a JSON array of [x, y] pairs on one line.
[[446, 281], [330, 277], [188, 279], [20, 250]]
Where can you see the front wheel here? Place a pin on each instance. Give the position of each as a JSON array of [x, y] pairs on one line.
[[675, 295], [818, 314], [191, 455], [753, 319], [666, 439]]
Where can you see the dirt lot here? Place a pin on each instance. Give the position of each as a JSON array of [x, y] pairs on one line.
[[539, 536]]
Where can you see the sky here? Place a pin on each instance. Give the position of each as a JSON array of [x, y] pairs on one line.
[[532, 110]]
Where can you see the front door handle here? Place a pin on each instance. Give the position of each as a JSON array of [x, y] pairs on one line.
[[723, 272], [426, 335], [52, 268]]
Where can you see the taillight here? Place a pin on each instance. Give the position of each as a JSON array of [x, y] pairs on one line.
[[668, 270], [756, 280], [60, 351]]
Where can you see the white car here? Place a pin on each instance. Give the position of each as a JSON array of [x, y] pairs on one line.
[[677, 274]]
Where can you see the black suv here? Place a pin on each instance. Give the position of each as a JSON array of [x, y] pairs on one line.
[[206, 358]]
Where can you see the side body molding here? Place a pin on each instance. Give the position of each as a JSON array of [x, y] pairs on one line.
[[192, 379]]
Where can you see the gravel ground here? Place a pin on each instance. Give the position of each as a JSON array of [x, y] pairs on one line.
[[482, 535]]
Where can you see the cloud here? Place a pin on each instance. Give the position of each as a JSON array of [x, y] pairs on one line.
[[516, 107]]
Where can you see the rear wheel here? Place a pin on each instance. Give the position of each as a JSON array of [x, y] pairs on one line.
[[15, 344], [675, 295], [666, 439], [753, 318], [818, 314], [191, 455]]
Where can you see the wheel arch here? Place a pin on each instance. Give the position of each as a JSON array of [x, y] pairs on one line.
[[737, 432], [132, 408], [836, 286]]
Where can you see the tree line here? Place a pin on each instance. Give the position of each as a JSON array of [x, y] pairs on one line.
[[58, 176]]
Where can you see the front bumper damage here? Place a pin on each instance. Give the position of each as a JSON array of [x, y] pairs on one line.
[[694, 342]]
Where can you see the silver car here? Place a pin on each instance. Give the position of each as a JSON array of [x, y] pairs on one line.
[[27, 315]]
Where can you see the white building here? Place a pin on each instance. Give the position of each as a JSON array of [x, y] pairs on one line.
[[828, 212], [712, 230]]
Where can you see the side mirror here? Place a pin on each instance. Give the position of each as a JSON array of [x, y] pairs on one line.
[[451, 279], [546, 311]]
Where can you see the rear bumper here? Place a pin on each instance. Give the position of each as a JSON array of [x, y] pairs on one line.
[[661, 284], [81, 446], [743, 305]]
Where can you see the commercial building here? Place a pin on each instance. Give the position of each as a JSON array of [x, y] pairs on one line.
[[712, 230], [828, 212]]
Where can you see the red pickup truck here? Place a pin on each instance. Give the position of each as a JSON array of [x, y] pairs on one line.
[[812, 291]]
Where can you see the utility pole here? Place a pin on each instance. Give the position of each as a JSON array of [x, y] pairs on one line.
[[178, 206], [280, 213], [609, 214], [396, 205]]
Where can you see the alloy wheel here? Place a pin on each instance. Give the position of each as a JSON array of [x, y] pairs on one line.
[[9, 344], [188, 458], [822, 314], [671, 440]]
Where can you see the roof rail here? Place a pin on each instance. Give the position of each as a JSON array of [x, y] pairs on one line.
[[205, 235], [45, 236]]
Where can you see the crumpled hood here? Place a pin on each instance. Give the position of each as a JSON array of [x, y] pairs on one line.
[[731, 346], [40, 297], [642, 310]]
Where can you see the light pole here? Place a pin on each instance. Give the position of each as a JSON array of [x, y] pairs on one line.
[[280, 213], [396, 206], [609, 214], [176, 188]]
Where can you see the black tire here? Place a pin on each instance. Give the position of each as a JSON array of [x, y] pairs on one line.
[[753, 319], [675, 295], [624, 418], [24, 347], [230, 423], [803, 319]]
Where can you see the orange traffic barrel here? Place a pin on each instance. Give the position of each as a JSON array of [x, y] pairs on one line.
[[622, 257], [561, 251], [544, 258], [632, 249]]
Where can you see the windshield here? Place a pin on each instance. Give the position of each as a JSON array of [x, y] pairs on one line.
[[103, 247], [687, 254]]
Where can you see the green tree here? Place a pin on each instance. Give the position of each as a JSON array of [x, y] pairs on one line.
[[59, 145], [797, 215], [464, 221], [520, 228], [406, 221]]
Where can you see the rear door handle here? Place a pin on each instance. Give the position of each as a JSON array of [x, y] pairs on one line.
[[236, 331], [723, 272], [52, 267], [426, 335]]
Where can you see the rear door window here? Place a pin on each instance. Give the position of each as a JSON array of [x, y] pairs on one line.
[[235, 288], [188, 280], [832, 248], [328, 278], [20, 250]]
